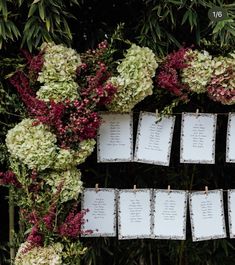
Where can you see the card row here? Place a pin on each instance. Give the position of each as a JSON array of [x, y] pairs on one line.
[[157, 213], [154, 138]]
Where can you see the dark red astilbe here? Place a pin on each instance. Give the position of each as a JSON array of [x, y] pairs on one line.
[[72, 225], [49, 218], [9, 178], [35, 107], [168, 77], [35, 237], [35, 64]]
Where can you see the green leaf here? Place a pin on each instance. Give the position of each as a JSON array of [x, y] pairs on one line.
[[219, 26], [3, 8], [41, 11], [185, 17], [48, 24], [67, 29], [32, 10]]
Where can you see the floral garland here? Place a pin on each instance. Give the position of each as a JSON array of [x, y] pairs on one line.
[[186, 72], [62, 100], [62, 92]]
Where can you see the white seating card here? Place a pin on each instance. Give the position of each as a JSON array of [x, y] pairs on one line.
[[198, 138], [207, 215], [169, 217], [115, 138], [230, 143], [154, 138], [101, 218], [231, 212], [134, 214]]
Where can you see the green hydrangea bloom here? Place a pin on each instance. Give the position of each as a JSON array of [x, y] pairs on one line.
[[70, 181], [60, 63], [58, 91], [134, 81], [50, 255], [86, 148], [34, 146], [67, 158], [199, 70], [221, 88]]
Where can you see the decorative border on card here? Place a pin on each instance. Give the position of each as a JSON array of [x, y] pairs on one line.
[[154, 162], [230, 116], [185, 214], [130, 159], [114, 215], [230, 213], [120, 237], [221, 214], [214, 116]]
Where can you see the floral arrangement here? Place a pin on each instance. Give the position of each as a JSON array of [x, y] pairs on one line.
[[169, 76], [221, 87], [186, 72], [134, 80], [198, 72], [62, 92]]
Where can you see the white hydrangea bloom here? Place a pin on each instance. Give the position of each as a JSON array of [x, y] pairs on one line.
[[86, 148], [60, 63], [58, 91], [134, 81], [71, 183], [34, 146], [198, 73], [50, 255]]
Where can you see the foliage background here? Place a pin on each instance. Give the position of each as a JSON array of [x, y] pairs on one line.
[[163, 26]]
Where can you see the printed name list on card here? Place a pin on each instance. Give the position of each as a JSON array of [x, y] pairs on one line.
[[207, 215], [101, 218], [231, 212], [115, 138], [169, 218], [198, 138], [230, 143], [154, 139], [134, 214]]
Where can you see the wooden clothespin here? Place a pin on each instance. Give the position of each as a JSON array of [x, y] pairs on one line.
[[206, 190], [97, 187], [158, 117], [169, 189], [157, 113]]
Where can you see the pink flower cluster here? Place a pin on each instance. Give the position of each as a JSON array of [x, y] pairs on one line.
[[169, 75], [35, 238], [94, 85], [72, 225], [9, 178]]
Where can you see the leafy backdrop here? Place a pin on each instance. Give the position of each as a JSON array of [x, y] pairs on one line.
[[162, 26]]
